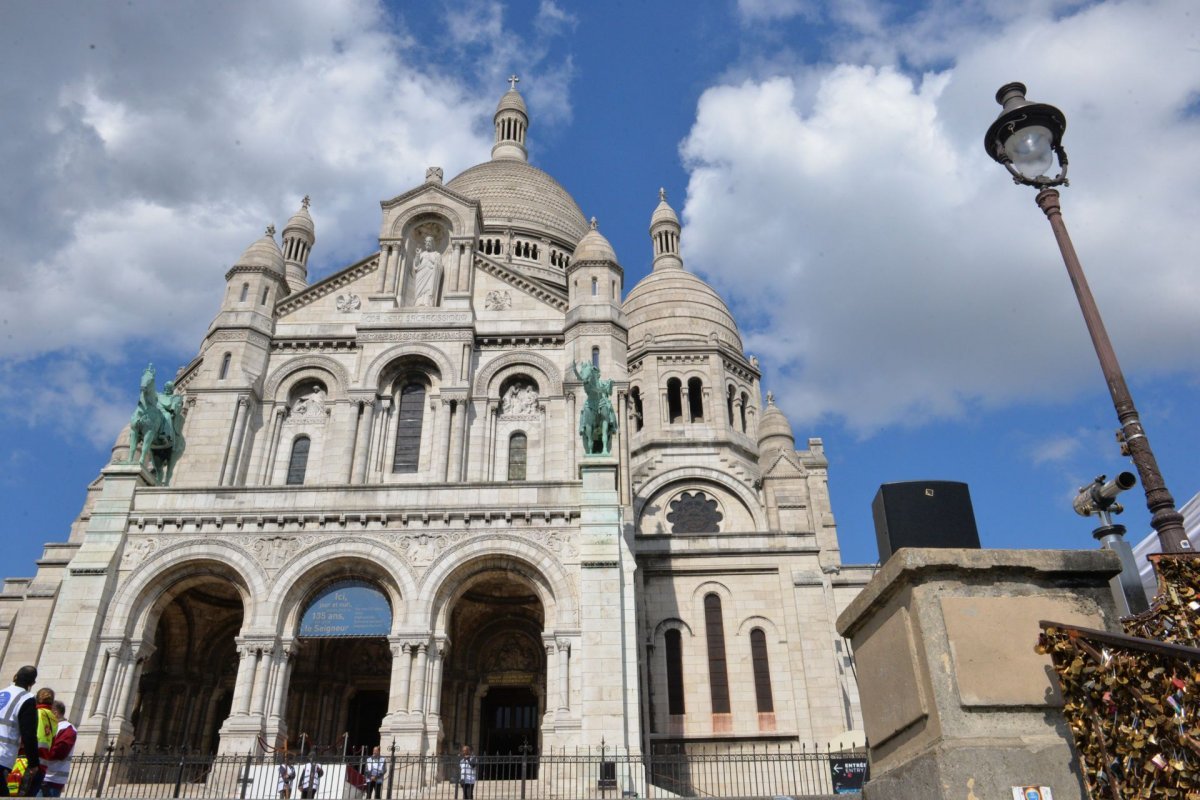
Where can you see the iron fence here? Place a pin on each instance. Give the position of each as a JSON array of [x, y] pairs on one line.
[[666, 772]]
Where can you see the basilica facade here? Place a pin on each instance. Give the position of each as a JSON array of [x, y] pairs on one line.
[[385, 526]]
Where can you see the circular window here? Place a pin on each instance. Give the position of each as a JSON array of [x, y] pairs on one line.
[[694, 512]]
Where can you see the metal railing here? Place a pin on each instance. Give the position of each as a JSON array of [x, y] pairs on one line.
[[666, 772]]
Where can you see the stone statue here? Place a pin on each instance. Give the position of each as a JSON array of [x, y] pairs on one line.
[[157, 425], [427, 273], [597, 419]]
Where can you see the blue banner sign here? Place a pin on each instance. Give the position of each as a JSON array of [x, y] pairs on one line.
[[347, 608]]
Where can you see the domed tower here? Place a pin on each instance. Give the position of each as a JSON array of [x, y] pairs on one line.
[[235, 354], [774, 432], [512, 121], [299, 236], [594, 281], [693, 392]]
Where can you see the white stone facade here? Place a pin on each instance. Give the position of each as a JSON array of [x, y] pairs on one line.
[[407, 427]]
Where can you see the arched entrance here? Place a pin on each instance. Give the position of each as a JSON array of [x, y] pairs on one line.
[[186, 687], [338, 694], [494, 685]]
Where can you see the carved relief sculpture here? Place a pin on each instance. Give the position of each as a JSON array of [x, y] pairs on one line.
[[520, 400], [498, 300]]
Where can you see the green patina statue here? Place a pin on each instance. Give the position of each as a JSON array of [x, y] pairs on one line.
[[157, 425], [597, 420]]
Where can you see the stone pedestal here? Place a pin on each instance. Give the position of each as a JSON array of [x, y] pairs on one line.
[[81, 611], [609, 679], [956, 703]]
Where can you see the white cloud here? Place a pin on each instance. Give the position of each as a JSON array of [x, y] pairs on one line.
[[890, 273], [773, 10], [149, 146], [1055, 449]]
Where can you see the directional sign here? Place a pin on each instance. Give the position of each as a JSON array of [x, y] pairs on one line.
[[849, 773]]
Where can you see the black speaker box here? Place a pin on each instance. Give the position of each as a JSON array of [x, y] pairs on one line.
[[923, 514]]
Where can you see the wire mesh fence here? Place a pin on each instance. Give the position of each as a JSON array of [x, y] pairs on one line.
[[666, 772]]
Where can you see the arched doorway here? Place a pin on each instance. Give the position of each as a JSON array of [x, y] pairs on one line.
[[338, 694], [186, 687], [494, 685]]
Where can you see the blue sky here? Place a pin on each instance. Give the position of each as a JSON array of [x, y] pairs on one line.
[[907, 302]]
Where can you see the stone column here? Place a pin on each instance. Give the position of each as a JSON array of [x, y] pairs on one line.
[[454, 410], [379, 438], [260, 680], [135, 657], [233, 454], [435, 690], [441, 437], [551, 673], [398, 269], [269, 457], [362, 440], [417, 698], [245, 679], [112, 663], [564, 675], [401, 673], [956, 703], [284, 660], [391, 429]]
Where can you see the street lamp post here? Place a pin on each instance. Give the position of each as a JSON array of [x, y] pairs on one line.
[[1026, 138]]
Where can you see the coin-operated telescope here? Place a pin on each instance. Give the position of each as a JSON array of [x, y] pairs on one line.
[[1099, 498]]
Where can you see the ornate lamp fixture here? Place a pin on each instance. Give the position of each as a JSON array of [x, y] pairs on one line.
[[1026, 138]]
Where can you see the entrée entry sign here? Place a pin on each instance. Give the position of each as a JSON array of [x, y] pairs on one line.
[[347, 608]]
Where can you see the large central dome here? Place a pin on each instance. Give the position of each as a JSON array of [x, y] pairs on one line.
[[513, 192]]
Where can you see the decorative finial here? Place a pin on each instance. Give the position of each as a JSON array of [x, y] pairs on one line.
[[770, 398], [271, 229], [304, 203], [662, 194], [595, 225], [513, 80]]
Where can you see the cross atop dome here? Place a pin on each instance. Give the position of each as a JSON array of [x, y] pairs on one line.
[[662, 194], [595, 225], [305, 201], [271, 229], [513, 80]]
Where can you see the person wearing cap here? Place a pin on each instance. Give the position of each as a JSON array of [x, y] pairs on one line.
[[18, 725]]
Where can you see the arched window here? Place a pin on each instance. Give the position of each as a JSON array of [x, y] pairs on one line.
[[638, 420], [674, 400], [718, 673], [596, 357], [595, 287], [695, 400], [729, 405], [518, 447], [762, 671], [745, 402], [224, 366], [674, 648], [298, 463], [266, 291], [245, 292], [410, 416]]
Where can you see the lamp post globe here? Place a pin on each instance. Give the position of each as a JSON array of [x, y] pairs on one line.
[[1026, 139]]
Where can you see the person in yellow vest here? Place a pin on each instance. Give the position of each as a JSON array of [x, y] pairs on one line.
[[47, 726]]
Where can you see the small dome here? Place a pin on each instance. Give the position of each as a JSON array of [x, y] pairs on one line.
[[512, 101], [264, 253], [513, 192], [664, 212], [303, 221], [673, 305], [594, 247], [774, 430]]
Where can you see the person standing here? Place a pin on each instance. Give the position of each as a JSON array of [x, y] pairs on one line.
[[287, 774], [310, 779], [47, 727], [468, 768], [374, 770], [58, 764], [18, 724]]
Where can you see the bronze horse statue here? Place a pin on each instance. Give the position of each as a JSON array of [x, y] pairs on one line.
[[157, 428], [597, 419]]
